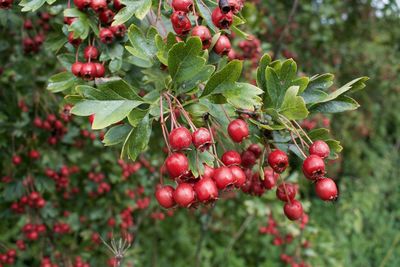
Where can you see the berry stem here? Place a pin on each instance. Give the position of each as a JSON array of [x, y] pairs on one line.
[[294, 141], [162, 122], [185, 114]]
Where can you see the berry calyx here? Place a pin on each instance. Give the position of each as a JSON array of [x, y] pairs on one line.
[[106, 36], [231, 157], [286, 192], [223, 45], [220, 19], [320, 148], [223, 177], [180, 138], [177, 165], [180, 23], [238, 130], [107, 16], [88, 71], [165, 196], [204, 33], [313, 167], [184, 195], [278, 160], [201, 139], [206, 190], [248, 159], [326, 189], [293, 210]]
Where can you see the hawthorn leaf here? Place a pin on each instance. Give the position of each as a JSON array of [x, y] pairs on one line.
[[142, 46], [322, 82], [205, 12], [116, 134], [293, 106], [274, 93], [139, 8], [262, 65], [319, 134], [354, 85], [163, 48], [61, 81], [138, 139], [339, 104], [241, 95], [31, 5]]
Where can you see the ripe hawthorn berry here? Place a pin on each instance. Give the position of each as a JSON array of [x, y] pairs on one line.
[[16, 160], [220, 19], [100, 70], [98, 5], [6, 4], [326, 189], [165, 196], [208, 171], [180, 138], [320, 148], [248, 159], [107, 16], [90, 52], [119, 30], [224, 6], [74, 41], [76, 68], [117, 5], [182, 5], [278, 160], [238, 175], [206, 190], [286, 195], [314, 167], [293, 210], [256, 149], [231, 157], [201, 138], [88, 71], [270, 178], [223, 177], [184, 195], [177, 165], [82, 4], [204, 33], [222, 46], [238, 130], [106, 36], [180, 23]]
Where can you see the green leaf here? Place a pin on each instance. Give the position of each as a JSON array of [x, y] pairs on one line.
[[334, 146], [340, 104], [356, 84], [119, 87], [61, 81], [115, 65], [293, 106], [274, 93], [197, 160], [205, 13], [163, 48], [136, 115], [322, 82], [314, 96], [139, 8], [319, 134], [288, 72], [66, 60], [241, 95], [239, 32], [137, 140], [143, 46], [264, 62], [230, 73], [31, 5], [116, 134]]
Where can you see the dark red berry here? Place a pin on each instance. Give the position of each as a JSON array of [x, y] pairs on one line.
[[88, 71], [74, 41], [180, 23], [326, 189], [180, 138], [106, 36], [28, 24], [204, 33], [98, 5], [270, 178], [238, 175], [293, 210], [256, 149], [248, 159], [238, 130], [165, 196], [6, 4], [177, 165], [208, 172], [286, 192], [76, 68], [107, 16], [223, 45], [220, 19], [82, 4], [278, 160], [184, 195], [231, 157], [90, 52], [117, 5], [206, 190], [201, 139], [320, 148], [223, 177], [313, 167], [100, 70], [119, 30], [182, 5]]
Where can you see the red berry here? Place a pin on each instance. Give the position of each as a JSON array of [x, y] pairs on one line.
[[320, 148], [278, 160], [100, 70], [238, 175], [184, 195], [180, 23], [313, 167], [270, 178], [119, 30], [224, 6], [106, 36], [206, 190], [88, 71], [182, 5], [81, 4], [208, 172], [220, 19], [74, 41], [6, 4], [98, 5], [117, 5], [231, 157], [180, 138], [201, 139], [223, 45], [28, 24], [238, 130], [235, 5], [256, 149], [107, 16], [76, 68], [248, 159], [34, 154], [16, 160], [69, 20], [177, 165], [286, 195], [165, 196], [223, 177], [90, 52], [293, 210], [326, 189], [204, 33]]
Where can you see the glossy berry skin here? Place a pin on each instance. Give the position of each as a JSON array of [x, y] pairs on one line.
[[201, 138], [238, 175], [223, 177], [76, 68], [107, 16], [313, 167], [220, 19], [100, 70], [222, 46], [326, 189], [290, 190], [180, 23], [182, 5], [90, 52], [270, 178], [238, 130], [320, 148], [165, 196], [208, 171], [184, 195], [119, 30], [293, 210], [82, 4], [106, 36], [204, 33], [278, 160], [117, 5], [180, 138], [231, 157], [235, 6], [206, 190], [98, 5], [248, 159], [177, 165], [88, 71]]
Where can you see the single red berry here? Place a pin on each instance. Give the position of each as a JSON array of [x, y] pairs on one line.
[[270, 178], [208, 171], [38, 39], [117, 5], [98, 5], [220, 19], [76, 68], [74, 41], [119, 30], [278, 160], [238, 130], [34, 154], [204, 33], [232, 55], [184, 195], [91, 119], [231, 157], [248, 159], [206, 190], [180, 23], [180, 138], [16, 160], [28, 24], [177, 165], [100, 70], [82, 4], [256, 149], [90, 52], [293, 210], [223, 177], [326, 189], [88, 71], [106, 36], [165, 196], [107, 16], [320, 148], [238, 175], [223, 45], [182, 5], [313, 167], [201, 139], [286, 192], [6, 4]]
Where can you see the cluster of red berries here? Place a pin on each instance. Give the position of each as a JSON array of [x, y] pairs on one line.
[[8, 258], [33, 42], [53, 125], [33, 200], [310, 124], [61, 228], [62, 176], [33, 231], [46, 262], [250, 50], [129, 168], [80, 263], [32, 154], [89, 70]]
